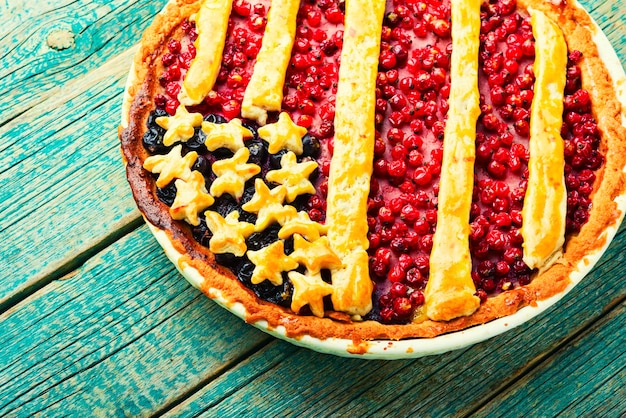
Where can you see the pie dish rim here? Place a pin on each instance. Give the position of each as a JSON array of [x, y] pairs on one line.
[[419, 346]]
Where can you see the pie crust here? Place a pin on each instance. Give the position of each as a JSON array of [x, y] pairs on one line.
[[450, 292], [337, 332]]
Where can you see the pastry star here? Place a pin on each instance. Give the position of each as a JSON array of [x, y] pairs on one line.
[[225, 135], [309, 289], [316, 255], [293, 175], [270, 262], [304, 226], [191, 198], [283, 134], [232, 174], [171, 166], [180, 127], [229, 235], [268, 205]]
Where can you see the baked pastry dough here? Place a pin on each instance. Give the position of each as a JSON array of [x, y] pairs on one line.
[[351, 164], [229, 235], [270, 262], [283, 134], [316, 255], [268, 205], [293, 175], [191, 198], [302, 225], [225, 135], [265, 90], [232, 174], [450, 291], [309, 289], [545, 204], [171, 165], [180, 127], [212, 24]]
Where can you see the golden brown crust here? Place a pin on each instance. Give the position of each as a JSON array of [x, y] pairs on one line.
[[610, 183], [351, 164], [450, 292], [545, 204]]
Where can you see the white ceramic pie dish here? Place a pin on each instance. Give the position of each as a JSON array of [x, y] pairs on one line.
[[415, 347]]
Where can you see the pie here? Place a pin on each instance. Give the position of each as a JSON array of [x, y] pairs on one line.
[[371, 170]]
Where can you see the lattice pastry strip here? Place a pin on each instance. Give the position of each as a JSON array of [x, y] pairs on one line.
[[212, 25], [450, 291], [265, 90], [351, 164], [545, 204]]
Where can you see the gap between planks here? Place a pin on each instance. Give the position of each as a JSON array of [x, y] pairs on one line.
[[576, 334], [545, 357], [166, 408], [70, 268], [111, 68], [115, 67]]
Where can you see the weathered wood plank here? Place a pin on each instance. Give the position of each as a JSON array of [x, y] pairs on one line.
[[308, 383], [124, 335], [32, 70], [587, 377], [62, 183], [611, 17]]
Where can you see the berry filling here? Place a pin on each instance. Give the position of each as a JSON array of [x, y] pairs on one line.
[[412, 89]]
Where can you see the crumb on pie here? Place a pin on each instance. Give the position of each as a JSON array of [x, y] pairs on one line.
[[376, 169]]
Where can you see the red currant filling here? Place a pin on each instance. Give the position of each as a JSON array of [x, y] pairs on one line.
[[412, 89]]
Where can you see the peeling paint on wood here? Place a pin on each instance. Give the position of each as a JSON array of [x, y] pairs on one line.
[[124, 334]]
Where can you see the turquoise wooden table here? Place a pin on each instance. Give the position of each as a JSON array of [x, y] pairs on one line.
[[94, 320]]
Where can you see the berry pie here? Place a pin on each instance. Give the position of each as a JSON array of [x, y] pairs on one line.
[[376, 170]]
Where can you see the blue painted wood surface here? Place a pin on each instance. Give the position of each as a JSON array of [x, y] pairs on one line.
[[96, 321]]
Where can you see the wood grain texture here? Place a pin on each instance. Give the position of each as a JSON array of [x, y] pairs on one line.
[[306, 383], [62, 183], [611, 17], [586, 377], [124, 335], [32, 71]]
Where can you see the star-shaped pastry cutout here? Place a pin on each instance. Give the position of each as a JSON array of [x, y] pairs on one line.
[[293, 175], [302, 225], [270, 262], [316, 255], [232, 174], [309, 289], [180, 127], [283, 134], [171, 166], [225, 135], [268, 205], [191, 198], [229, 235]]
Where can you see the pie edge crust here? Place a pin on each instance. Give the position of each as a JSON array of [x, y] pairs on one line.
[[579, 30]]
